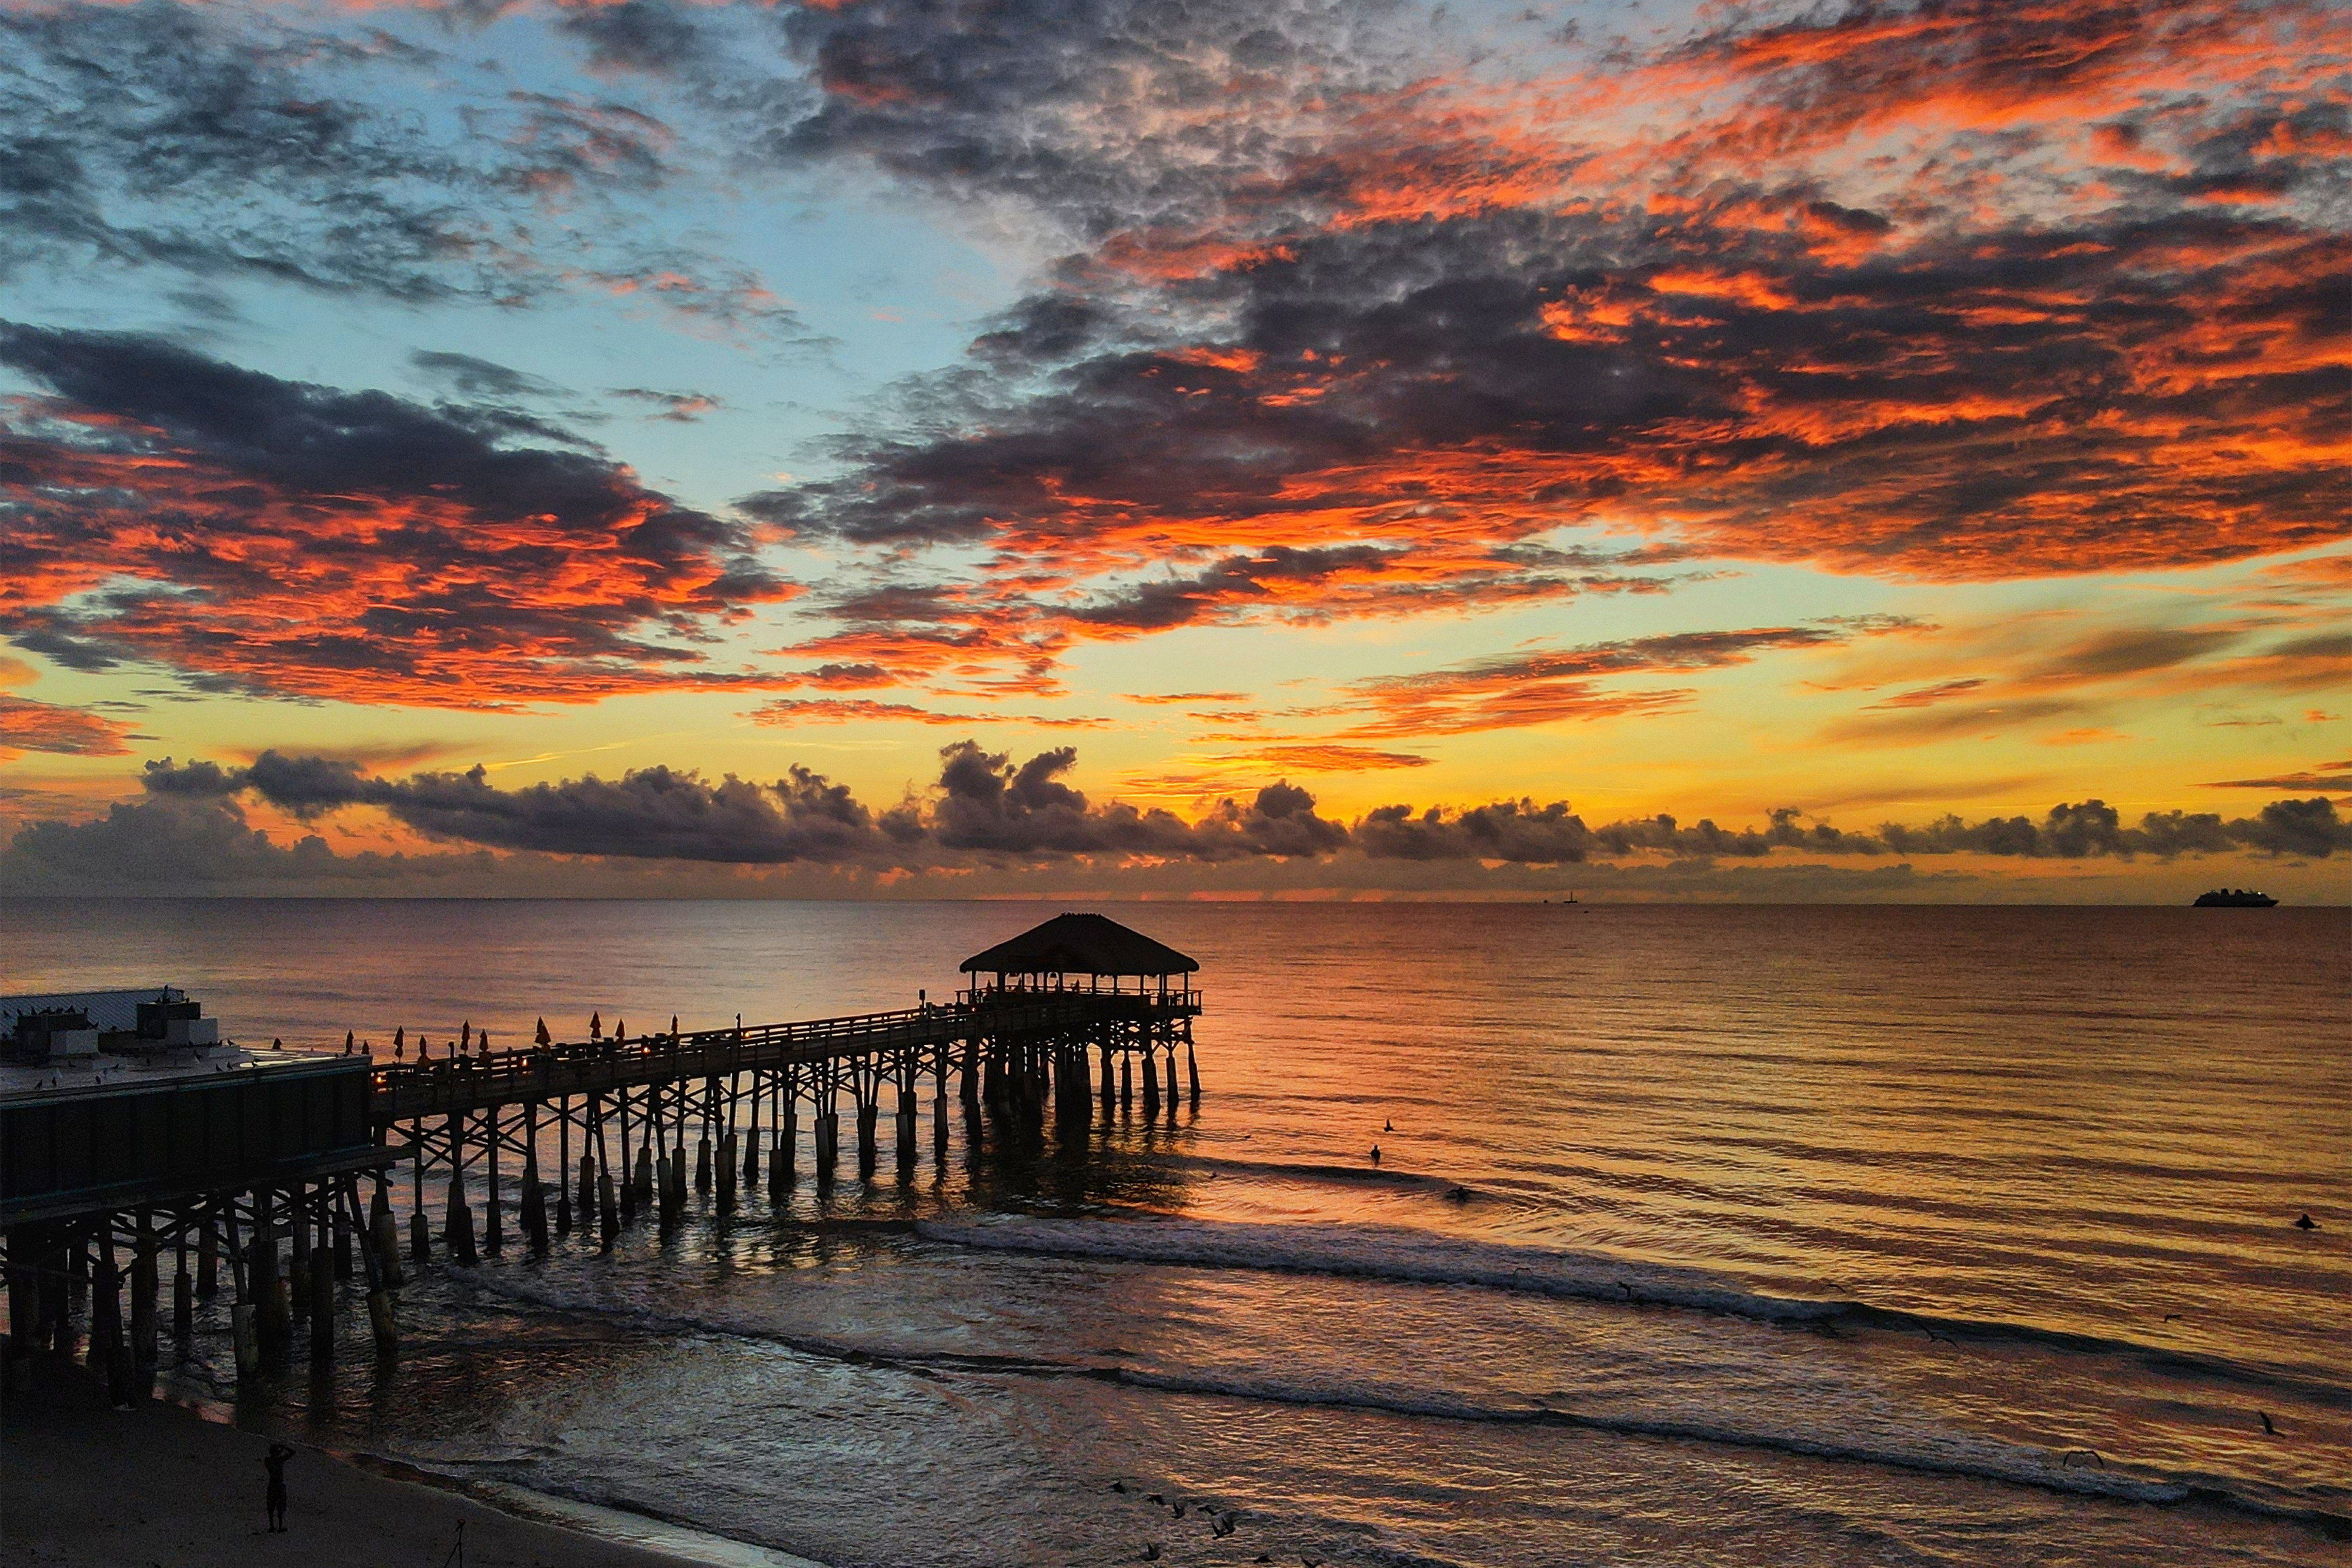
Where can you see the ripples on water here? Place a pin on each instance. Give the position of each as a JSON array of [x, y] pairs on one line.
[[1794, 1236]]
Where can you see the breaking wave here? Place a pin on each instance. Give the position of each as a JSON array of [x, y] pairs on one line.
[[1414, 1257]]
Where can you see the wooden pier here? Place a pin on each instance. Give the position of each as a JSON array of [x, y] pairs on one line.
[[1058, 1024], [211, 1166]]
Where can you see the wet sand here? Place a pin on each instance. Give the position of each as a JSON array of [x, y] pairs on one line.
[[159, 1487]]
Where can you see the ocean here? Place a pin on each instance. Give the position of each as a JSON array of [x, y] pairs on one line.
[[1701, 1235]]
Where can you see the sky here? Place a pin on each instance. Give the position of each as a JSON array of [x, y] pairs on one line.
[[1227, 448]]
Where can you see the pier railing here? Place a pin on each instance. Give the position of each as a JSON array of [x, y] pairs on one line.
[[439, 1086]]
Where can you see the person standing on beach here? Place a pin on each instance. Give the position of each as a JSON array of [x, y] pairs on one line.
[[275, 1460]]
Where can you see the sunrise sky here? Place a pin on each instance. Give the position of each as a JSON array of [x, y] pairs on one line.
[[1235, 447]]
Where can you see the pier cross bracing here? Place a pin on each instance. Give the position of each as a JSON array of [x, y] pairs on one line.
[[235, 1161]]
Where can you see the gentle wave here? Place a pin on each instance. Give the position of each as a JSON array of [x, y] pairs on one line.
[[1419, 1257], [604, 1308], [1978, 1459], [1373, 1252], [1346, 1176], [1948, 1453]]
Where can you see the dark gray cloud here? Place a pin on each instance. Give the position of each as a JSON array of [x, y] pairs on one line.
[[305, 540], [655, 36], [194, 845], [226, 144], [1127, 113], [983, 805], [677, 408], [1328, 298], [1522, 831], [1702, 401], [988, 804], [474, 378], [987, 808], [159, 133], [654, 814]]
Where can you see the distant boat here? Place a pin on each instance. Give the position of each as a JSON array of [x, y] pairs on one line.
[[2234, 898]]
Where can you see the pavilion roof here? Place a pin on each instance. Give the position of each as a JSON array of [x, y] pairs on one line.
[[1080, 944]]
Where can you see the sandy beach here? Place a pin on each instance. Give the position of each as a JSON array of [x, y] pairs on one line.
[[159, 1487]]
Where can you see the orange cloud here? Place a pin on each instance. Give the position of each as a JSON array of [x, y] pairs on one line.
[[1921, 292], [363, 549], [29, 725], [785, 711]]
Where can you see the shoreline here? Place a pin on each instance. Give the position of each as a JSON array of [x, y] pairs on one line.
[[167, 1483]]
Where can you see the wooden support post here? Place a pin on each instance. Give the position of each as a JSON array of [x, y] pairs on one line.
[[1106, 1089], [939, 1111], [107, 1349], [207, 1255], [1192, 1069], [783, 1169], [270, 1300], [563, 1166], [420, 1231], [660, 1125], [1126, 1082], [297, 1274], [384, 1229], [244, 1313], [702, 1164], [145, 1325], [608, 1207], [828, 1138], [26, 1256], [534, 1201], [57, 1298], [729, 1163], [322, 1306], [751, 1142], [628, 1167], [1150, 1086], [184, 1292], [608, 1211], [1171, 1084], [460, 1215], [375, 1259], [869, 1155], [494, 1229], [339, 1229]]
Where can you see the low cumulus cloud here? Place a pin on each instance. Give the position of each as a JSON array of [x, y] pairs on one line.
[[279, 537], [986, 809]]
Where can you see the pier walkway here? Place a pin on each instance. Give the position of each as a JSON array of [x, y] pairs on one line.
[[410, 1092], [264, 1164]]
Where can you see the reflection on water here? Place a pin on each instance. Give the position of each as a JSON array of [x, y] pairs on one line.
[[1720, 1235]]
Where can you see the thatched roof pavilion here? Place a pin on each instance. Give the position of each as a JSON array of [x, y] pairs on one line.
[[1068, 946]]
